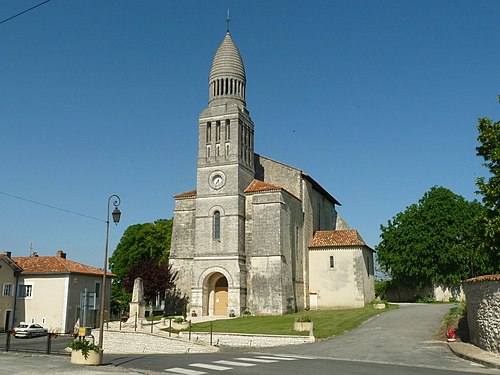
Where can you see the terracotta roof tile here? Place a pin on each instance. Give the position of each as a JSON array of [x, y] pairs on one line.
[[484, 278], [337, 238], [187, 194], [54, 265], [257, 186]]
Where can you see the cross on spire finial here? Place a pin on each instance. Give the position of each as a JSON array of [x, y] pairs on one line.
[[228, 20]]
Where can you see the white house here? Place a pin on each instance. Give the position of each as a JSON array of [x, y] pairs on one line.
[[55, 292]]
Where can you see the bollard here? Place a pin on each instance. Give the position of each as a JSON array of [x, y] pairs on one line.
[[211, 330], [7, 340], [49, 343]]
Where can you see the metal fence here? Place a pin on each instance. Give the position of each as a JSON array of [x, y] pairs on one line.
[[49, 344]]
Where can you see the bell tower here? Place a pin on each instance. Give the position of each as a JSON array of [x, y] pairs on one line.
[[226, 131], [225, 169]]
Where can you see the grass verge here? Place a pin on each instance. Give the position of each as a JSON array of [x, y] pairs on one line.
[[327, 323]]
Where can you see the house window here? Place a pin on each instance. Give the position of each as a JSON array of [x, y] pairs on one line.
[[332, 262], [25, 291], [98, 290], [227, 148], [208, 151], [8, 289], [216, 225]]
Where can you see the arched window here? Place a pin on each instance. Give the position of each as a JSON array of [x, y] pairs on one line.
[[332, 261], [216, 225]]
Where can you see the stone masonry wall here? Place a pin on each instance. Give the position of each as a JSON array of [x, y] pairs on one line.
[[483, 311], [246, 340]]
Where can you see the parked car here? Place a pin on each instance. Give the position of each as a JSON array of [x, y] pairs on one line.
[[29, 330]]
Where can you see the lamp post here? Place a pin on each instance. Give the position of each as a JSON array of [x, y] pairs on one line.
[[116, 219]]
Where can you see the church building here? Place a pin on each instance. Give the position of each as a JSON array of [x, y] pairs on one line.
[[256, 235]]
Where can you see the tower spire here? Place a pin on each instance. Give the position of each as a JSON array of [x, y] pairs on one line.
[[228, 19]]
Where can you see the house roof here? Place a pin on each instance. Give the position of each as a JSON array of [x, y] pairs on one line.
[[10, 262], [54, 265], [337, 238]]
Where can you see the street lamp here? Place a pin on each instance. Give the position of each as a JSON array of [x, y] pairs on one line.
[[116, 218]]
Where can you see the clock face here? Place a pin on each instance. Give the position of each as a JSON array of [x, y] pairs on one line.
[[217, 180]]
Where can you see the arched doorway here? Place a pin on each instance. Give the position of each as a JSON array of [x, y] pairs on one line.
[[216, 297]]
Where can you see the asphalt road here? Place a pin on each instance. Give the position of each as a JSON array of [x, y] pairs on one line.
[[404, 336], [272, 364], [396, 342]]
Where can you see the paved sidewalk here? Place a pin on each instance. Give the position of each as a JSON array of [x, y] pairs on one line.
[[27, 364]]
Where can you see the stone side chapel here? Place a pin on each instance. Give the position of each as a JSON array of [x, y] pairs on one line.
[[258, 235]]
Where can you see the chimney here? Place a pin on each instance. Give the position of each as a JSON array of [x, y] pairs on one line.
[[61, 254], [8, 253]]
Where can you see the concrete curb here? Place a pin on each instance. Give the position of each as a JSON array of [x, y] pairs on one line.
[[473, 353]]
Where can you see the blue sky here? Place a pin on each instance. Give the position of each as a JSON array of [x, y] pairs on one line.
[[377, 100]]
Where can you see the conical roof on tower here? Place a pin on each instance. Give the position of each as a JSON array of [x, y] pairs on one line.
[[227, 78]]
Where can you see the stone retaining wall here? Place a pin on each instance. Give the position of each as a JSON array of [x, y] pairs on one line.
[[247, 340], [483, 311]]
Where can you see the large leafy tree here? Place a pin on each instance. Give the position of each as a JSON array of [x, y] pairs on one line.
[[432, 241], [141, 242], [489, 150]]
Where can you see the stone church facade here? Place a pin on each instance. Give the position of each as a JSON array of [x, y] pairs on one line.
[[243, 240]]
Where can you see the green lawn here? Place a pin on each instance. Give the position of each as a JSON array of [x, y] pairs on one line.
[[327, 323]]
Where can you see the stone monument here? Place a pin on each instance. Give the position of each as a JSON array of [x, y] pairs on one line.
[[137, 305]]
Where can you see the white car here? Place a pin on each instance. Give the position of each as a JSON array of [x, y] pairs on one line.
[[29, 330]]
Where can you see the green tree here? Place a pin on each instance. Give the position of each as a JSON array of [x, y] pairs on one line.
[[433, 241], [141, 242], [489, 150]]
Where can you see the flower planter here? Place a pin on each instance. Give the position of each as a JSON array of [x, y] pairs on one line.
[[302, 326], [93, 359]]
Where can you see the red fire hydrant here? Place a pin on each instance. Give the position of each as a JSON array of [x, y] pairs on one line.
[[451, 335]]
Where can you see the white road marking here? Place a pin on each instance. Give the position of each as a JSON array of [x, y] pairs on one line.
[[184, 371], [210, 367], [232, 363], [278, 358], [257, 360]]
